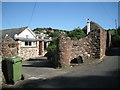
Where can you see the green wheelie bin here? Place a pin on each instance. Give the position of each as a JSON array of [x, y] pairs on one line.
[[14, 69]]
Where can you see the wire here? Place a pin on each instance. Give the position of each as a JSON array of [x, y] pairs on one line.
[[32, 13]]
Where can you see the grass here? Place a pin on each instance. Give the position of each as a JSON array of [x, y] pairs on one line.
[[62, 67]]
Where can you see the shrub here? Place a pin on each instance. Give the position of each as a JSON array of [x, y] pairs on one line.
[[52, 48], [116, 40], [76, 34]]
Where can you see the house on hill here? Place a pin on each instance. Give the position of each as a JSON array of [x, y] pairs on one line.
[[29, 45]]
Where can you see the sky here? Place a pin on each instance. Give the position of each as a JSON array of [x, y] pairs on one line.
[[119, 14], [58, 15]]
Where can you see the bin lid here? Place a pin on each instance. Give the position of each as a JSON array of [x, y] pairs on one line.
[[13, 59]]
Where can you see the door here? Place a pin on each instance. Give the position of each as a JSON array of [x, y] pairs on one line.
[[40, 47]]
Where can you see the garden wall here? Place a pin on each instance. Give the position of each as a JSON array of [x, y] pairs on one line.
[[9, 47]]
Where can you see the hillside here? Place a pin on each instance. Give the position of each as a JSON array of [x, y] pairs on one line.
[[77, 33]]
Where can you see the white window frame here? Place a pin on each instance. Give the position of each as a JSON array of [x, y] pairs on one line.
[[23, 44], [28, 43]]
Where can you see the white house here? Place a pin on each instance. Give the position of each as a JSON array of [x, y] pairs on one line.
[[29, 45]]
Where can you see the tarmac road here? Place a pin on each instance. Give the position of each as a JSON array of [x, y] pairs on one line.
[[103, 74]]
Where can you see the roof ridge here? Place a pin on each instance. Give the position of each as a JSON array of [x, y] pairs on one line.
[[14, 28], [96, 24]]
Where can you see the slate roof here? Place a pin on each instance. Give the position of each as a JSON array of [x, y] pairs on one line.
[[93, 26], [12, 32], [8, 40]]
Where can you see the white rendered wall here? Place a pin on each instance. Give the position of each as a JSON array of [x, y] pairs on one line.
[[25, 33]]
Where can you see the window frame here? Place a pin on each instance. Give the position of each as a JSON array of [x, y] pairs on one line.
[[28, 44]]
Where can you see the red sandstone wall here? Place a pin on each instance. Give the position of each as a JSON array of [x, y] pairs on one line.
[[9, 50], [64, 48], [103, 37], [109, 35], [89, 47]]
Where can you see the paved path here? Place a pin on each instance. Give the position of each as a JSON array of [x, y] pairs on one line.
[[98, 75]]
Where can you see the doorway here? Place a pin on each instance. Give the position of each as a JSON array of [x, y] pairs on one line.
[[40, 47]]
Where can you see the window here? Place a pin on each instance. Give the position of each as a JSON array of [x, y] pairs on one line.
[[28, 44], [33, 43]]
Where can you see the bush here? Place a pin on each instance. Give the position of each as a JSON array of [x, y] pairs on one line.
[[116, 40], [52, 48], [76, 34]]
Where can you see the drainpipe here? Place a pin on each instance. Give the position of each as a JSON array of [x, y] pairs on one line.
[[88, 27]]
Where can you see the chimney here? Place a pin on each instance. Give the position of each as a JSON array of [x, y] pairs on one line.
[[88, 27]]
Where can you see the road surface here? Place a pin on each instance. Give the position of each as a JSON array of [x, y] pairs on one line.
[[101, 75]]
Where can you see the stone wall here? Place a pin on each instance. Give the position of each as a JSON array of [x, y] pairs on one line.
[[28, 52], [24, 52], [9, 48], [103, 37], [64, 51], [109, 39], [89, 47]]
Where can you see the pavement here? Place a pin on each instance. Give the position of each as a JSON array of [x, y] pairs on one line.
[[38, 73]]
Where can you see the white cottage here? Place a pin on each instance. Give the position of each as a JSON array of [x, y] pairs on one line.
[[29, 45]]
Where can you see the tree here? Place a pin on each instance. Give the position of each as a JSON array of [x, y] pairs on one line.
[[49, 28], [77, 33], [55, 34]]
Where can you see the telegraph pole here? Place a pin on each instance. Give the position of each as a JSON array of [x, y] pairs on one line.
[[116, 25]]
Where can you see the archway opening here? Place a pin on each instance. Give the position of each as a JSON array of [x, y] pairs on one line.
[[77, 60], [74, 61], [80, 59]]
